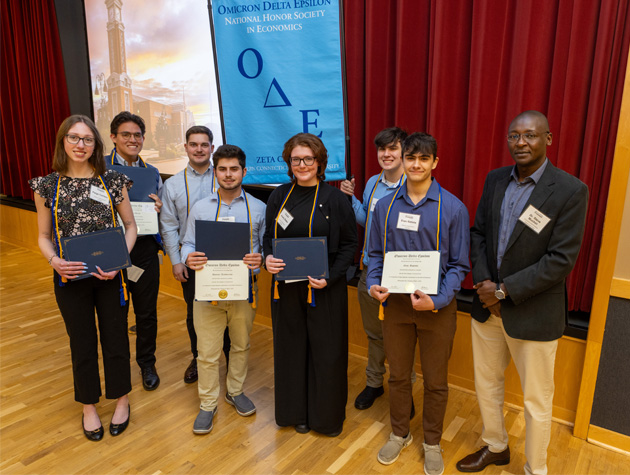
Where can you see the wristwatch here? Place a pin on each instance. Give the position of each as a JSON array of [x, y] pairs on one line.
[[499, 293]]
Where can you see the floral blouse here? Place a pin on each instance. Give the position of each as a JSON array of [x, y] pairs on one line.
[[76, 211]]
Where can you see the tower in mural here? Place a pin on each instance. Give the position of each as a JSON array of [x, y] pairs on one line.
[[118, 82]]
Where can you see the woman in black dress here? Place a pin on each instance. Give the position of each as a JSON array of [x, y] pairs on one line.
[[310, 318], [81, 196]]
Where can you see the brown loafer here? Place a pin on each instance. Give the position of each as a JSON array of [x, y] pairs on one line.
[[482, 458], [190, 376]]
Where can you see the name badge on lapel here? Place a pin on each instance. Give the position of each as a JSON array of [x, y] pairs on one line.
[[534, 219]]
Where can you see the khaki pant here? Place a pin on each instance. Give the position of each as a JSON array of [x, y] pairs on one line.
[[210, 322], [534, 361]]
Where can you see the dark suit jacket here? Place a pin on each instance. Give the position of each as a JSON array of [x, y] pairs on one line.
[[535, 266]]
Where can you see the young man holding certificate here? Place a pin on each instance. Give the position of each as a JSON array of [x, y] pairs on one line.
[[230, 204], [180, 193], [389, 155], [419, 240], [127, 133]]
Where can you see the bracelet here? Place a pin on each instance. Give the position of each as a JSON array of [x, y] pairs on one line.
[[51, 258]]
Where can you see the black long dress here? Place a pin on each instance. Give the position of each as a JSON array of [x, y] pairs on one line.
[[311, 343]]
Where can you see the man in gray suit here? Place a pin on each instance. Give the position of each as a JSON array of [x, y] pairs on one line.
[[524, 242]]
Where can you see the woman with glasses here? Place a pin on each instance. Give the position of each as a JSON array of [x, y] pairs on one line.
[[79, 197], [310, 317]]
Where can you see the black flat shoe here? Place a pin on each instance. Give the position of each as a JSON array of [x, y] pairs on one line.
[[94, 435], [302, 429], [117, 429]]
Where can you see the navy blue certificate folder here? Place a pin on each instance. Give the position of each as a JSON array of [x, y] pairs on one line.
[[145, 182], [303, 257], [222, 240], [106, 249]]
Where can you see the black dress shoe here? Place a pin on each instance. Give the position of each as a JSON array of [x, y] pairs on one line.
[[191, 375], [367, 397], [117, 429], [302, 428], [93, 434], [482, 458], [334, 433], [150, 378]]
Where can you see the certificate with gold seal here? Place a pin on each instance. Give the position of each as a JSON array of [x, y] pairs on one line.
[[222, 280], [404, 272]]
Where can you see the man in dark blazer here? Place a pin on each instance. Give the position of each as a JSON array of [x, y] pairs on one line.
[[524, 242]]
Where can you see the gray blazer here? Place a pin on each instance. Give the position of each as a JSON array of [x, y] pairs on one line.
[[535, 266]]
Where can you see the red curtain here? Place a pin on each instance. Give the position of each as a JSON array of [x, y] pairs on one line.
[[34, 94], [462, 69]]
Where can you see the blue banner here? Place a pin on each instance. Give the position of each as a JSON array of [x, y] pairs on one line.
[[279, 66]]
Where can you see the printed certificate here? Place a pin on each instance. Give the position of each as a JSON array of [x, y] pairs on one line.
[[222, 280], [404, 272], [146, 217]]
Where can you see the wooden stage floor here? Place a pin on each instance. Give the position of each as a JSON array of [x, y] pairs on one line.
[[40, 423]]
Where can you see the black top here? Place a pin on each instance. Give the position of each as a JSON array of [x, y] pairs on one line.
[[333, 218]]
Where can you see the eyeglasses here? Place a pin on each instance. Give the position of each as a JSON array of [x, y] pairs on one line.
[[128, 135], [529, 137], [308, 161], [74, 139]]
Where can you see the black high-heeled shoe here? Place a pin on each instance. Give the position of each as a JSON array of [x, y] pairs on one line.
[[117, 429], [94, 435]]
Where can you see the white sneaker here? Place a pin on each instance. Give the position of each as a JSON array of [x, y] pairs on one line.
[[433, 462], [391, 450]]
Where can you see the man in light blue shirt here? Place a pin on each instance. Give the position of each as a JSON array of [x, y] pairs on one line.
[[230, 203], [180, 193], [388, 152]]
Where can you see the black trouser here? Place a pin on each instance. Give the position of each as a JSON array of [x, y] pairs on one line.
[[144, 294], [188, 289], [310, 347], [77, 301]]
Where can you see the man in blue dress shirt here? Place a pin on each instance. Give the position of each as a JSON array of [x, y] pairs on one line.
[[525, 240], [180, 193], [421, 216], [231, 203], [389, 155]]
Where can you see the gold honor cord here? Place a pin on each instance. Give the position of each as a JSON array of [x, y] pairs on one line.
[[114, 153], [276, 294], [251, 243], [367, 218], [188, 190], [381, 310]]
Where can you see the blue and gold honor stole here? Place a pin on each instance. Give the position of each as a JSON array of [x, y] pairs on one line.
[[143, 164], [311, 292], [367, 217], [55, 218], [381, 311], [188, 191], [252, 297]]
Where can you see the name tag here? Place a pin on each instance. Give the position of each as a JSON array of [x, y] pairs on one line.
[[408, 222], [534, 219], [99, 194], [227, 219], [285, 219], [374, 201]]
